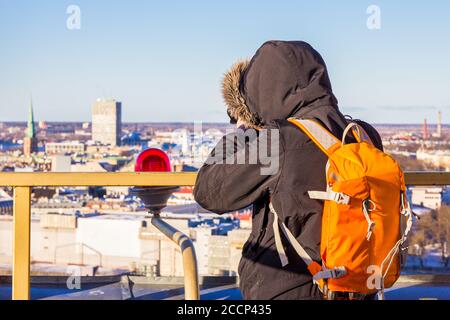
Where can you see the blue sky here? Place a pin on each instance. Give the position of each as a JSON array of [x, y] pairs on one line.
[[164, 59]]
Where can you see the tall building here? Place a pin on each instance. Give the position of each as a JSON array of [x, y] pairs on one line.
[[107, 122], [30, 140]]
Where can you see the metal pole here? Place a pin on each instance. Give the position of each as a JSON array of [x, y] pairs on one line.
[[21, 246], [191, 288]]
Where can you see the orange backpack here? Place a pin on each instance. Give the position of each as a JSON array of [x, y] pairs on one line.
[[366, 216]]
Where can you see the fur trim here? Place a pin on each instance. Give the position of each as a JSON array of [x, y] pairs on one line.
[[234, 100]]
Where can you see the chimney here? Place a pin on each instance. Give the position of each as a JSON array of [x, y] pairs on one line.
[[425, 129], [439, 125]]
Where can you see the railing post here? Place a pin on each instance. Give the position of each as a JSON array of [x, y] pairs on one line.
[[190, 270], [21, 246]]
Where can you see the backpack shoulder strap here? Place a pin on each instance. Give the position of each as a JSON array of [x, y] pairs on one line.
[[359, 133], [326, 142]]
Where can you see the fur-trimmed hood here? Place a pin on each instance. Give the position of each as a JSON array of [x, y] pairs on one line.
[[236, 106], [283, 79]]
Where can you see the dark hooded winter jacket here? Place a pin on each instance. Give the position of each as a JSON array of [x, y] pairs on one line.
[[284, 79]]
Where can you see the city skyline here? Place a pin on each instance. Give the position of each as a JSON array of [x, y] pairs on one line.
[[432, 119], [169, 69]]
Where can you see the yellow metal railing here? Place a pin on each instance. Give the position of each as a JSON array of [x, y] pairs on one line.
[[23, 183]]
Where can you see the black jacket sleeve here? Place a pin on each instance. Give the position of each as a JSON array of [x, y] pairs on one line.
[[226, 184]]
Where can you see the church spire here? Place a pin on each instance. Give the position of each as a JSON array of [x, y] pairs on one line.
[[30, 144], [31, 131]]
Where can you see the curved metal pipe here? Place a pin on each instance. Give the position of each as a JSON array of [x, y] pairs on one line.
[[191, 288]]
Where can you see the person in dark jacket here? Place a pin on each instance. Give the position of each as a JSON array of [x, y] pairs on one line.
[[283, 79]]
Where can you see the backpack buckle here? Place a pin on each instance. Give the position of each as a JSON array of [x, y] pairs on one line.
[[338, 272], [335, 273], [366, 210], [341, 198], [330, 195], [370, 229]]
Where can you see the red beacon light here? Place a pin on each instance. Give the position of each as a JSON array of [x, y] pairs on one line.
[[154, 198], [153, 160]]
